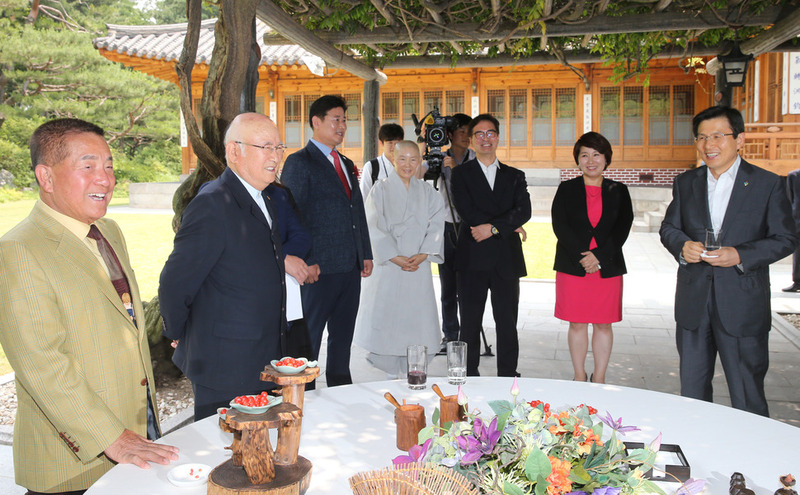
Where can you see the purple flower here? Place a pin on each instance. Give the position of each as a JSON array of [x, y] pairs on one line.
[[691, 487], [415, 453], [616, 425], [606, 490], [579, 492], [482, 443]]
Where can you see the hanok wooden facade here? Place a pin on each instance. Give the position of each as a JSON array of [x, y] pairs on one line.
[[542, 109]]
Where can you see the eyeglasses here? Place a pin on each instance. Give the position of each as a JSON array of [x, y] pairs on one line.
[[712, 138], [485, 134], [278, 148]]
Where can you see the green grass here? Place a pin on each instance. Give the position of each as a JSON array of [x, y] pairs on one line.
[[149, 239]]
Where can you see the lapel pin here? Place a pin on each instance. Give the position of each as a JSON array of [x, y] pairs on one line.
[[746, 183]]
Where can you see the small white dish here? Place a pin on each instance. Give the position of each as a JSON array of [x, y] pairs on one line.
[[193, 474]]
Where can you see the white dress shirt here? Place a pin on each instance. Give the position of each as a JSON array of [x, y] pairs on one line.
[[490, 171], [719, 193], [257, 197]]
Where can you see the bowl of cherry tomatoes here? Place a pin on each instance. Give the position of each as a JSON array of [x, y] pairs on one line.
[[255, 404], [292, 366]]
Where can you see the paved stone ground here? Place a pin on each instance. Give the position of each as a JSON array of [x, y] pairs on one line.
[[644, 354]]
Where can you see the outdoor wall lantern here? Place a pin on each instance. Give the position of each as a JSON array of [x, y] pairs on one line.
[[735, 66]]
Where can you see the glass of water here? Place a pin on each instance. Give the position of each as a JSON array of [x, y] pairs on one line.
[[456, 362]]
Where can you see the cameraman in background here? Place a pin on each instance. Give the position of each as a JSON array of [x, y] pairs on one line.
[[459, 152]]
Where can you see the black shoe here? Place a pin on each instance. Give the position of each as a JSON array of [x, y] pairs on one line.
[[443, 348], [792, 288]]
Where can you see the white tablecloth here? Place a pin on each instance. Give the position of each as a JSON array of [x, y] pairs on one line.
[[350, 429]]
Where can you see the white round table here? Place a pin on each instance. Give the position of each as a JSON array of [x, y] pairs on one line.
[[349, 429]]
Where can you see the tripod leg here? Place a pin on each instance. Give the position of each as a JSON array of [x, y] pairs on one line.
[[487, 349]]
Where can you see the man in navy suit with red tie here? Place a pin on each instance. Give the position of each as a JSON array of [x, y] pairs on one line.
[[324, 185]]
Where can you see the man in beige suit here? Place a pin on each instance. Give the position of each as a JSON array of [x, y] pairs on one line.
[[85, 386]]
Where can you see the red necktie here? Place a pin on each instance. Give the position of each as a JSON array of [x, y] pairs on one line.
[[340, 171], [118, 278]]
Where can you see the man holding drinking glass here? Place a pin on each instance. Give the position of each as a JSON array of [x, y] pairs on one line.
[[722, 300]]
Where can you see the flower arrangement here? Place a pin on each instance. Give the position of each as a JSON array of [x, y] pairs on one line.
[[527, 448]]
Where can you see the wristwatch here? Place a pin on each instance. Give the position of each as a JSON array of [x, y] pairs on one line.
[[495, 231]]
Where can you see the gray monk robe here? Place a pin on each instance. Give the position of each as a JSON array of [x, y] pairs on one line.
[[398, 308]]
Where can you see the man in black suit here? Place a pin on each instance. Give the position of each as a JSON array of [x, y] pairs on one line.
[[492, 200], [324, 185], [722, 300], [793, 189], [222, 292]]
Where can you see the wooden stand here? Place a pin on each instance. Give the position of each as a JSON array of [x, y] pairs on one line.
[[255, 468]]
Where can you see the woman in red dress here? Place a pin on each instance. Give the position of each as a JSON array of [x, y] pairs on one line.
[[592, 217]]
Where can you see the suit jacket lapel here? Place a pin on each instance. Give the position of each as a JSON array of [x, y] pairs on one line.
[[75, 252], [739, 195], [242, 197], [328, 170], [700, 190]]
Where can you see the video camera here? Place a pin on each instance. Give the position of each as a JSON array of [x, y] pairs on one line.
[[435, 137]]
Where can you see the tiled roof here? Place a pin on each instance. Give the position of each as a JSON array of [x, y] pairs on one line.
[[165, 43]]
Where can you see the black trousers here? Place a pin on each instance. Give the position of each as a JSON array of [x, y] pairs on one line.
[[744, 359], [796, 266], [448, 281], [332, 301], [473, 286]]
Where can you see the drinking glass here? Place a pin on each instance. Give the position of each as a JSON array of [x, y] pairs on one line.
[[456, 362], [417, 358], [713, 240]]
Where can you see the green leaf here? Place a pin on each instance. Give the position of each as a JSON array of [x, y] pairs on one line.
[[512, 489], [541, 486], [537, 465], [578, 474], [501, 406]]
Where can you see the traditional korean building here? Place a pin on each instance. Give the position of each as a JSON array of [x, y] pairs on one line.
[[542, 109]]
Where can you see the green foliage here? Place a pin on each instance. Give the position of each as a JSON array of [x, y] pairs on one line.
[[9, 195], [52, 70], [16, 160], [174, 11]]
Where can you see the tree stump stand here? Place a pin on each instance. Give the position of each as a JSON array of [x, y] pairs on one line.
[[255, 468]]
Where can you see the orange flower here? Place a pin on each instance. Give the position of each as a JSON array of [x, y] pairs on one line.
[[586, 446], [559, 477]]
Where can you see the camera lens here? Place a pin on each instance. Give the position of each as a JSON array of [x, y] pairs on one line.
[[436, 136]]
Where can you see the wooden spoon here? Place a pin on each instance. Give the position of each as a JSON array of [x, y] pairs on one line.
[[438, 391], [392, 400]]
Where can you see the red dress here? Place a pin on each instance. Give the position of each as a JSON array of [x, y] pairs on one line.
[[591, 298]]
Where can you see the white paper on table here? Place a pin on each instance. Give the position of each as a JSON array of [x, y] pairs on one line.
[[294, 306]]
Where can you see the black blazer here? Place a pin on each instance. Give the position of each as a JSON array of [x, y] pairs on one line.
[[574, 232], [507, 207], [758, 223], [222, 290], [338, 225]]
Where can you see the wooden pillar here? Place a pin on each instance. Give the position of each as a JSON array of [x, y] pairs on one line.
[[371, 119]]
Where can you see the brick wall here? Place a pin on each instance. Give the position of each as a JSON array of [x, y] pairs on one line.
[[657, 177]]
